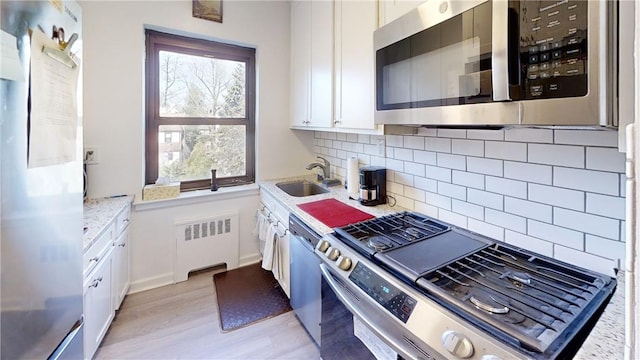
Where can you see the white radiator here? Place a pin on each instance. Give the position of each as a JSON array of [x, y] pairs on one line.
[[202, 243]]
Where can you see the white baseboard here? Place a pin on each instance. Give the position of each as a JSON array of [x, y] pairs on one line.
[[249, 259], [151, 283]]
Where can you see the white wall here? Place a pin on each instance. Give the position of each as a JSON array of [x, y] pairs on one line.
[[557, 192], [114, 51]]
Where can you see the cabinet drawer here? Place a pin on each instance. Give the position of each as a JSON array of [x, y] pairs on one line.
[[98, 249], [123, 218]]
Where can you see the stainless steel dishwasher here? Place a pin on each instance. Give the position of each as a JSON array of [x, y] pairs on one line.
[[306, 278]]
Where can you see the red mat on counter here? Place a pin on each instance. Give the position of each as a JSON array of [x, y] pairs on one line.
[[334, 213]]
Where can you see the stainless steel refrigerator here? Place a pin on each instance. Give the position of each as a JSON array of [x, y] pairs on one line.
[[42, 220]]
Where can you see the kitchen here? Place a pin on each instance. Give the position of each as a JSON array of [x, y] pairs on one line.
[[113, 124]]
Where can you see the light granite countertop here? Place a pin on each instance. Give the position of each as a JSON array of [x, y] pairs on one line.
[[606, 340], [98, 213]]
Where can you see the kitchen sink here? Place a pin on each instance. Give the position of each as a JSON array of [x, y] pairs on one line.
[[301, 188]]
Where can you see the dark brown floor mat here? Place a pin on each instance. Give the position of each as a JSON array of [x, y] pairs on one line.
[[247, 295]]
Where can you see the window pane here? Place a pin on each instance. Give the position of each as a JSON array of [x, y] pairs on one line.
[[198, 86], [199, 148]]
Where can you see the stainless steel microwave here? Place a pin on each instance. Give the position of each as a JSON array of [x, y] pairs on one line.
[[483, 63]]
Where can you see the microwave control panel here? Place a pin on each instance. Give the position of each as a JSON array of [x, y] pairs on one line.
[[553, 48]]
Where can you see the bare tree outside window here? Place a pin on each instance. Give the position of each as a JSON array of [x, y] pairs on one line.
[[203, 93]]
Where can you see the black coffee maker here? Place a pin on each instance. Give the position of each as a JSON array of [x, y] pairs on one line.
[[373, 185]]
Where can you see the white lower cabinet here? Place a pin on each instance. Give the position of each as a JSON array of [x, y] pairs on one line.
[[278, 214], [98, 307], [121, 268]]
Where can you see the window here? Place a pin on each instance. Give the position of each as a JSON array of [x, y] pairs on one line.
[[200, 111]]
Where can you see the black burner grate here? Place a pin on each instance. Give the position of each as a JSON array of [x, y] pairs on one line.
[[524, 296], [390, 232]]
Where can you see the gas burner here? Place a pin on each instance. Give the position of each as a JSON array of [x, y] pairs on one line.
[[379, 243], [410, 233]]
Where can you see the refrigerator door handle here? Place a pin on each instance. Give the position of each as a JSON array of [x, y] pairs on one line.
[[76, 330]]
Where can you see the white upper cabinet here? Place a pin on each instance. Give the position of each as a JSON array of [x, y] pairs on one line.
[[311, 63], [355, 22], [393, 9]]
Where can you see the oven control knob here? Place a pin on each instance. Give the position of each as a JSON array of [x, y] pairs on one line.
[[333, 253], [344, 263], [457, 344], [323, 245]]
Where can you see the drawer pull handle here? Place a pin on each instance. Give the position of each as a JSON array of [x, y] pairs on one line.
[[122, 245], [95, 258], [125, 220], [94, 284]]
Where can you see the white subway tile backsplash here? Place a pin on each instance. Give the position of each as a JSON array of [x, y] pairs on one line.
[[437, 144], [438, 173], [452, 133], [451, 161], [468, 179], [402, 178], [507, 221], [604, 247], [529, 135], [363, 138], [528, 209], [403, 154], [395, 187], [485, 134], [452, 218], [607, 138], [404, 202], [587, 180], [529, 243], [609, 206], [481, 227], [556, 234], [440, 201], [541, 174], [566, 198], [452, 191], [485, 166], [585, 260], [467, 209], [562, 155], [588, 223], [395, 140], [425, 184], [467, 147], [413, 193], [425, 157], [414, 168], [504, 186], [486, 199], [426, 209], [414, 142], [505, 150], [605, 159], [396, 165]]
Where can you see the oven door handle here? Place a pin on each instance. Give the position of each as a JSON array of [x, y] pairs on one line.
[[354, 309]]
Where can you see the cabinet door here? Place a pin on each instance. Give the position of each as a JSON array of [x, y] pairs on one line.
[[300, 62], [98, 309], [121, 260], [311, 63], [355, 22], [393, 9]]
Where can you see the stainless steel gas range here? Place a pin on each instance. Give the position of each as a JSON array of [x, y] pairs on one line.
[[428, 289]]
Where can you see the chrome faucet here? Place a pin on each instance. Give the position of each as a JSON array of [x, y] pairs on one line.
[[326, 167]]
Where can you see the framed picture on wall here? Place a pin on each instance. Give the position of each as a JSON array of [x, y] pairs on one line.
[[208, 9]]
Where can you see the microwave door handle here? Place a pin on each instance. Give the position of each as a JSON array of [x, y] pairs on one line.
[[500, 50]]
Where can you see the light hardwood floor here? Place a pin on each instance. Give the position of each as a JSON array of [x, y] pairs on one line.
[[181, 322]]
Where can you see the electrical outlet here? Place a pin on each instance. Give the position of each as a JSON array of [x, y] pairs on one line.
[[91, 156], [380, 147]]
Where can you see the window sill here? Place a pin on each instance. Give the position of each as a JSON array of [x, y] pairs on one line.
[[199, 196]]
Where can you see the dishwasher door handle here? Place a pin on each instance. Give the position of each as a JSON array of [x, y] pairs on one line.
[[353, 307]]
